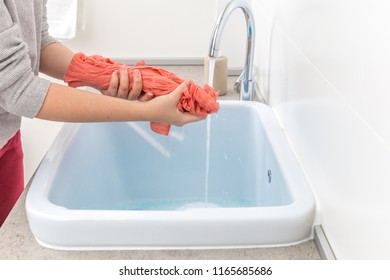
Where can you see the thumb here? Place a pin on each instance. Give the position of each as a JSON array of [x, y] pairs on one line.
[[177, 92]]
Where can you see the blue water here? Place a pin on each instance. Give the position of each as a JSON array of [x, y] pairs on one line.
[[166, 205], [127, 166]]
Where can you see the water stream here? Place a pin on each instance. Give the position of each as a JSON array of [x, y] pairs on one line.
[[206, 184], [207, 166]]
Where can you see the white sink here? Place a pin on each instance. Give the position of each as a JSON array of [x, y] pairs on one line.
[[228, 181]]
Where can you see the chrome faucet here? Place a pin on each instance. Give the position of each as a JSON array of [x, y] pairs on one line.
[[246, 82]]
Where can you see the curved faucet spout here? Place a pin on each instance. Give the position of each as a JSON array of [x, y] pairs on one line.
[[246, 91]]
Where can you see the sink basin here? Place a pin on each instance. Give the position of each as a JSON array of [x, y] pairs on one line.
[[227, 181]]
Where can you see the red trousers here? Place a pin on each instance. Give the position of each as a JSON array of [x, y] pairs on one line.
[[11, 175]]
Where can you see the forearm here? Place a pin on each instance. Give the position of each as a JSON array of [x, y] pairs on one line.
[[55, 59], [73, 105]]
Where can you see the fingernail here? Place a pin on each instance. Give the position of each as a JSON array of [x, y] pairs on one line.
[[116, 72], [123, 68], [137, 73], [189, 82]]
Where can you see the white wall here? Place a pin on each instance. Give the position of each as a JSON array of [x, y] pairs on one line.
[[324, 69], [147, 28], [169, 29]]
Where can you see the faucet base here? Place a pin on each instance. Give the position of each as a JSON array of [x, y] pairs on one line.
[[246, 92]]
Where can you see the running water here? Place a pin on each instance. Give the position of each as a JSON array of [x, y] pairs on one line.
[[211, 71], [206, 185], [211, 82]]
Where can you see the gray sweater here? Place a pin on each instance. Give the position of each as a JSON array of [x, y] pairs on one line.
[[23, 33]]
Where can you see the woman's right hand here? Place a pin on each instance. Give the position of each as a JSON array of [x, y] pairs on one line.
[[163, 109]]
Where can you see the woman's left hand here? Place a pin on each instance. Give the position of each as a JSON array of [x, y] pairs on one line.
[[119, 85]]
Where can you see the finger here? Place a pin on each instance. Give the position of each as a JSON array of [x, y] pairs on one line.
[[146, 97], [137, 85], [140, 63], [177, 93], [113, 86], [123, 90]]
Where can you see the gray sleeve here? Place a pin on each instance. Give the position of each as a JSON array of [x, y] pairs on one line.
[[45, 37], [21, 92]]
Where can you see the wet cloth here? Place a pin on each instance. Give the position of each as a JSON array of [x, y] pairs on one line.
[[95, 71], [11, 175]]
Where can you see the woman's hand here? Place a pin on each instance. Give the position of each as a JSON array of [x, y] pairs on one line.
[[163, 109], [119, 86]]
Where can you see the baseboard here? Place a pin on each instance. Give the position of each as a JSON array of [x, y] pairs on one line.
[[322, 244]]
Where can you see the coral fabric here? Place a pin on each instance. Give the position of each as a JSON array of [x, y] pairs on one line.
[[96, 71], [11, 175]]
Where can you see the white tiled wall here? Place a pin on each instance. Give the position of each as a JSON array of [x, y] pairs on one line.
[[324, 67]]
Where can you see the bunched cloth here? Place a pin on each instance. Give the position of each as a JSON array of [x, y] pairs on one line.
[[95, 71]]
